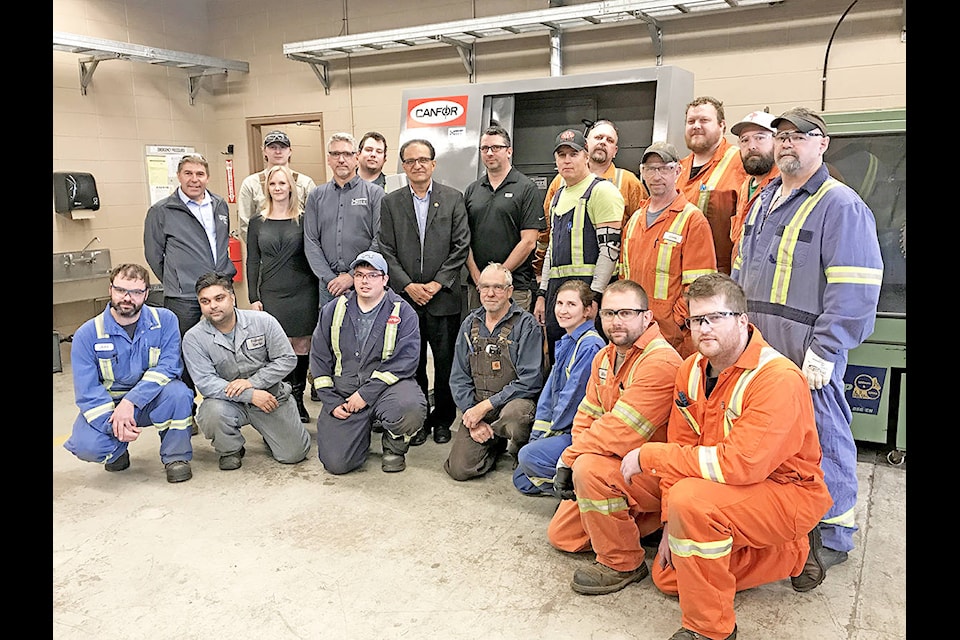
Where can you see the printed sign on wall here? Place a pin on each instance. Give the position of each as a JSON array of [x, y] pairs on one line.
[[863, 387], [449, 111]]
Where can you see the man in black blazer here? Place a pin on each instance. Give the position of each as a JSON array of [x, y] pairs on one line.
[[425, 239]]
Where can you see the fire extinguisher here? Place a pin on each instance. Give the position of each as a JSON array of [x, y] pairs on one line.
[[236, 255]]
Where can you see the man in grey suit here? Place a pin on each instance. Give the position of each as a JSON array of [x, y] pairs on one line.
[[425, 239]]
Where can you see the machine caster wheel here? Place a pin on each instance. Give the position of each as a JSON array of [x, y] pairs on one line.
[[896, 457]]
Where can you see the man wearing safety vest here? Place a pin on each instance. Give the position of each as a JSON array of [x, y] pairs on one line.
[[740, 479], [126, 376], [710, 177], [811, 267], [364, 357], [667, 245]]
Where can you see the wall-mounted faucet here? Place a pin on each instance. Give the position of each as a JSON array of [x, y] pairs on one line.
[[95, 239]]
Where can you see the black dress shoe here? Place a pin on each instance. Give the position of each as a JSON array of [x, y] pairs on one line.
[[420, 437], [441, 434]]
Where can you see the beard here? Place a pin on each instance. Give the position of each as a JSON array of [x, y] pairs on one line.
[[599, 156], [704, 143], [132, 310], [789, 165], [758, 164]]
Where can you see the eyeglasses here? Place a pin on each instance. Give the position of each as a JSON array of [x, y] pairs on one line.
[[421, 161], [341, 154], [694, 322], [498, 288], [367, 275], [760, 136], [795, 137], [623, 314], [662, 169], [493, 147], [133, 293]]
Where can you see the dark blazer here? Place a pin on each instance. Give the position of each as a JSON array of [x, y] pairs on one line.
[[445, 246]]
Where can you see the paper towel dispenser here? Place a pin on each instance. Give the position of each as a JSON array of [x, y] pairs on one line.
[[74, 190]]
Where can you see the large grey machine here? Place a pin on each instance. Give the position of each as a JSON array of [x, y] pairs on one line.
[[647, 104]]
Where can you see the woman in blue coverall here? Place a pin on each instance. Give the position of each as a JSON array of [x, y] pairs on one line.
[[537, 460]]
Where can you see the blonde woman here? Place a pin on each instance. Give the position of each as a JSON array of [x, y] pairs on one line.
[[281, 281]]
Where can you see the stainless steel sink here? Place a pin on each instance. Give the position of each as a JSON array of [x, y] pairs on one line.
[[81, 275]]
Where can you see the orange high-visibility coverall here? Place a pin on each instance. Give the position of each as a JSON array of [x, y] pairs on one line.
[[632, 190], [744, 202], [664, 259], [716, 195], [618, 413], [741, 481]]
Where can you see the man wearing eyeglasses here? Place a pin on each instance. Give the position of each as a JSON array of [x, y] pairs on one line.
[[364, 355], [667, 245], [755, 136], [373, 155], [126, 376], [505, 216], [341, 219], [496, 378], [739, 475], [425, 239], [184, 236], [627, 403], [811, 267], [251, 198], [711, 175]]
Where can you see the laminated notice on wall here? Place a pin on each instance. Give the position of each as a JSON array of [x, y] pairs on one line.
[[162, 161]]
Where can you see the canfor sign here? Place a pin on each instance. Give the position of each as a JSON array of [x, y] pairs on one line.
[[449, 111]]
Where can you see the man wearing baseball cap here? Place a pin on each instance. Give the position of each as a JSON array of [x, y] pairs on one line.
[[586, 214], [364, 357], [667, 245], [251, 199], [755, 136], [814, 302]]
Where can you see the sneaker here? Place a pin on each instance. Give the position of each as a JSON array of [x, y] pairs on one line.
[[599, 579], [232, 461], [686, 634], [121, 463], [393, 462], [814, 570], [178, 471]]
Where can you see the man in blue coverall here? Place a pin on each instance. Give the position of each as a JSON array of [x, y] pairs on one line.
[[810, 264], [126, 376], [364, 355]]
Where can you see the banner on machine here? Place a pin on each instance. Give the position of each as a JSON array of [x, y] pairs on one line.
[[448, 111]]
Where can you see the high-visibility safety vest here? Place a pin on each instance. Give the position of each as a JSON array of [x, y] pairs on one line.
[[389, 342], [703, 200], [574, 249]]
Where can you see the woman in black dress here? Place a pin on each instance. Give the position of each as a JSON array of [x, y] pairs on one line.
[[281, 281]]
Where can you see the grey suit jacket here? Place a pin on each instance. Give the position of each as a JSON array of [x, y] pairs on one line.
[[445, 247]]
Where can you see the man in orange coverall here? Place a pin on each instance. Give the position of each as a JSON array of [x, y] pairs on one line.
[[755, 137], [712, 174], [627, 403], [740, 471], [667, 245]]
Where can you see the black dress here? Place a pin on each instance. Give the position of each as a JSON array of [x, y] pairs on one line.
[[280, 276]]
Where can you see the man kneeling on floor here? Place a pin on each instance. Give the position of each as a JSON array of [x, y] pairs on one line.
[[627, 403], [238, 359], [495, 379], [126, 375], [364, 357], [740, 472]]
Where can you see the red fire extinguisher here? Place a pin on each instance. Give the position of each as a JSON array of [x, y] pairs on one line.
[[236, 255]]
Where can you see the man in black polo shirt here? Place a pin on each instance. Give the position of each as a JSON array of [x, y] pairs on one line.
[[505, 214]]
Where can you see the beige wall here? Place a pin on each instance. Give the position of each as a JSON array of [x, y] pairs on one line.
[[752, 58]]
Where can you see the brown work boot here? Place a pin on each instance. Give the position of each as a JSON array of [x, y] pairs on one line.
[[599, 579], [686, 634], [814, 569]]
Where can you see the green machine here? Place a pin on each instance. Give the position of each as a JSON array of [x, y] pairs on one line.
[[868, 151]]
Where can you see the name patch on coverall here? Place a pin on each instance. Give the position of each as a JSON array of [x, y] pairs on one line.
[[256, 342]]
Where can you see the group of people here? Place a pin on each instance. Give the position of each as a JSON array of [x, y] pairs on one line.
[[664, 354]]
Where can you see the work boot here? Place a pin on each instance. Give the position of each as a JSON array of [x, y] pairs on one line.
[[420, 436], [121, 463], [232, 461], [686, 634], [814, 569], [599, 579], [393, 462], [178, 471]]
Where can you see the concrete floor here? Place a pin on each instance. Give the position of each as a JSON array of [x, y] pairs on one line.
[[277, 552]]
